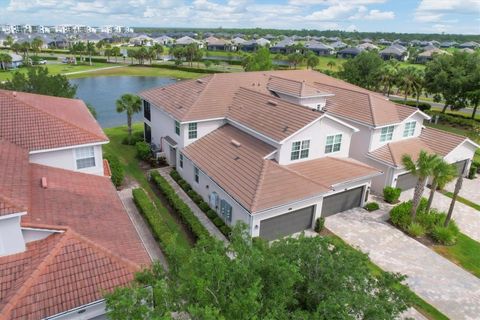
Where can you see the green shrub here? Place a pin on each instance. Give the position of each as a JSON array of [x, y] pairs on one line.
[[218, 222], [159, 228], [211, 214], [204, 206], [371, 206], [430, 220], [175, 175], [131, 141], [116, 169], [472, 173], [400, 215], [183, 210], [143, 150], [416, 230], [225, 230], [391, 194], [319, 224], [444, 235]]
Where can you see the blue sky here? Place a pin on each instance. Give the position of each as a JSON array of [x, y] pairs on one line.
[[424, 16]]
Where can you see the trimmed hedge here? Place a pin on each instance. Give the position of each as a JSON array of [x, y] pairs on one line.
[[391, 194], [371, 206], [183, 68], [159, 228], [423, 106], [183, 210], [456, 120], [116, 169], [211, 214]]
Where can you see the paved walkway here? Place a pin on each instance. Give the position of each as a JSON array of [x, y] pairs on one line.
[[447, 287], [466, 217], [142, 228], [91, 70], [202, 217], [470, 189]]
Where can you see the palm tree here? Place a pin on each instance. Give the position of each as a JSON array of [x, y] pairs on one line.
[[37, 44], [90, 50], [24, 47], [130, 104], [388, 76], [157, 49], [5, 59], [456, 191], [442, 174], [422, 168], [331, 64], [407, 80], [115, 51], [312, 60], [9, 41]]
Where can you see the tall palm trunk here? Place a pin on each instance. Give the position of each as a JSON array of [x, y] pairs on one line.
[[475, 109], [417, 196], [129, 124], [458, 186], [432, 194]]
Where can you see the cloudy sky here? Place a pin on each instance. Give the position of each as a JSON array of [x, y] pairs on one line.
[[425, 16]]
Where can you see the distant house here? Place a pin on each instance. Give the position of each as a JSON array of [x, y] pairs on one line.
[[367, 46], [186, 40], [467, 50], [163, 40], [319, 48], [429, 54], [429, 47], [349, 52], [338, 45], [215, 44], [16, 62], [470, 44], [238, 41], [448, 44], [141, 40], [397, 52], [384, 42], [262, 42], [283, 46], [366, 40], [253, 45]]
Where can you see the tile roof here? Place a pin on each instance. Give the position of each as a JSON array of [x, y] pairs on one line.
[[212, 96], [292, 87], [270, 116], [258, 183], [59, 273], [14, 178], [88, 204], [430, 140], [38, 122]]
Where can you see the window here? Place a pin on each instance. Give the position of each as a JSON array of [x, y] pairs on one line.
[[180, 162], [409, 129], [177, 127], [146, 110], [386, 134], [85, 157], [195, 172], [334, 143], [226, 210], [192, 130], [147, 132], [300, 149]]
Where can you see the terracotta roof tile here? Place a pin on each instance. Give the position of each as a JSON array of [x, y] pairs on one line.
[[270, 116], [37, 122], [58, 273], [440, 141], [292, 87], [89, 204]]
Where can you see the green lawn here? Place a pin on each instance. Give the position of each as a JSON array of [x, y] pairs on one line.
[[463, 200], [126, 155], [140, 71], [465, 253], [426, 309]]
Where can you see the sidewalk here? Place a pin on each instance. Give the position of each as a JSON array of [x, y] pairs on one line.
[[142, 228], [202, 217]]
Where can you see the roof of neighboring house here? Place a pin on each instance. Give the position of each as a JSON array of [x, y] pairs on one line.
[[270, 116], [14, 178], [284, 43], [430, 140], [367, 46], [59, 273], [293, 87], [212, 41], [211, 97], [352, 50], [392, 50], [185, 40], [238, 40], [39, 122], [338, 44], [15, 57], [258, 183], [429, 53], [315, 45]]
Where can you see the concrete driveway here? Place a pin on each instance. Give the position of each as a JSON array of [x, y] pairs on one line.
[[467, 218], [470, 189], [449, 288]]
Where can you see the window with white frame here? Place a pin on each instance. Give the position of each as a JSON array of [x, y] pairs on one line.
[[85, 157], [409, 129], [333, 143], [192, 130], [300, 149], [387, 133], [180, 162], [196, 174], [177, 127], [226, 210]]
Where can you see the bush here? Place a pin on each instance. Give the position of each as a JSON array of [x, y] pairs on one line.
[[473, 171], [218, 222], [319, 224], [444, 235], [416, 230], [116, 169], [183, 210], [211, 214], [204, 206], [400, 215], [143, 150], [371, 206], [131, 141], [423, 106], [391, 194], [226, 230], [175, 175]]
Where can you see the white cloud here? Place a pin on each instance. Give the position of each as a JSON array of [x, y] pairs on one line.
[[331, 13], [436, 10], [380, 15]]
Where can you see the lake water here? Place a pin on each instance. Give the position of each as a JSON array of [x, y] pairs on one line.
[[102, 92]]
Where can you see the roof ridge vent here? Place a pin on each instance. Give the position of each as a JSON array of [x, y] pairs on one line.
[[236, 143], [44, 182], [199, 80], [271, 102]]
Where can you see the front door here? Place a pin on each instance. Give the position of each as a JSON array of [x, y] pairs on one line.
[[173, 156]]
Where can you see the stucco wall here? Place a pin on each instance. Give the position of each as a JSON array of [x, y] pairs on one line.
[[462, 152], [317, 134], [65, 159], [11, 238], [162, 125], [203, 128], [398, 132]]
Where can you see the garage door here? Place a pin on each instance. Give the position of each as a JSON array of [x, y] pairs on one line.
[[406, 181], [286, 224], [342, 201], [460, 166]]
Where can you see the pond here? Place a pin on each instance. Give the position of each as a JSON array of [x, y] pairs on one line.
[[102, 92]]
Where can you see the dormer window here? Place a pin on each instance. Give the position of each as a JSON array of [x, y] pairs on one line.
[[409, 129], [300, 149], [333, 144], [387, 133]]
